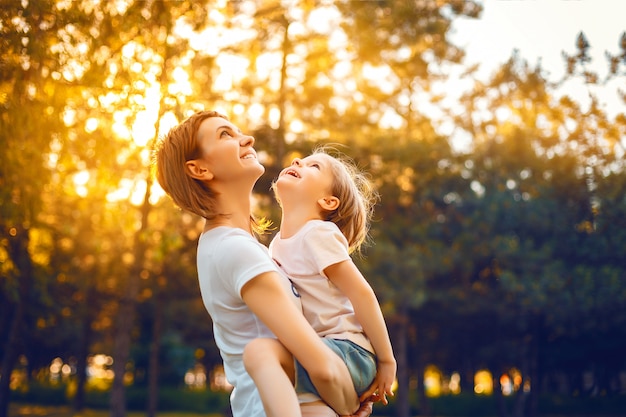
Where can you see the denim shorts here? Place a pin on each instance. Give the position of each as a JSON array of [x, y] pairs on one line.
[[361, 365]]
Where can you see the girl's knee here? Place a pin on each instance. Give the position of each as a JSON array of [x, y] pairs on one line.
[[268, 353], [253, 353], [259, 351]]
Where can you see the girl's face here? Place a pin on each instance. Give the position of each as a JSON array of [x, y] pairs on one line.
[[308, 180], [227, 154]]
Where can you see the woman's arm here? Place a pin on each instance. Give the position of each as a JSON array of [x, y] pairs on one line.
[[268, 299], [347, 277]]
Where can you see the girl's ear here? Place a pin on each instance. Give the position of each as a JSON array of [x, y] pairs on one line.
[[329, 203], [196, 169]]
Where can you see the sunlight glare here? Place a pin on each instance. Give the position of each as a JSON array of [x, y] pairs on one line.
[[339, 104], [122, 193], [80, 180], [216, 17], [233, 66], [391, 120], [255, 112], [119, 124], [143, 128], [133, 191], [296, 126], [239, 109], [138, 193], [181, 83], [379, 76], [432, 381], [129, 49], [69, 117], [267, 63], [167, 122], [156, 193], [483, 382], [91, 125], [324, 20], [274, 117]]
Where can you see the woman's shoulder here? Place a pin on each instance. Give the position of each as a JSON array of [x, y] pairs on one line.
[[229, 240]]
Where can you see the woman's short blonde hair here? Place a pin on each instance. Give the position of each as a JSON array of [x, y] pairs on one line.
[[169, 159]]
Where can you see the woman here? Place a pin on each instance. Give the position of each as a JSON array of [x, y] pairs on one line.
[[209, 167]]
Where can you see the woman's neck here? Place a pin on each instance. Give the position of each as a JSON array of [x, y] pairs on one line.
[[235, 212]]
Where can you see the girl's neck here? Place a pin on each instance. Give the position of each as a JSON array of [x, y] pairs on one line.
[[293, 220]]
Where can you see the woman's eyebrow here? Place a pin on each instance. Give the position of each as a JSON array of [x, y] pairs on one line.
[[229, 128]]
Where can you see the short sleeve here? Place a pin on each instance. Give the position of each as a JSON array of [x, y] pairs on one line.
[[250, 260], [326, 245]]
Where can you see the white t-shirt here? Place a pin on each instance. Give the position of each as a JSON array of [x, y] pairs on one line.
[[227, 259], [304, 256]]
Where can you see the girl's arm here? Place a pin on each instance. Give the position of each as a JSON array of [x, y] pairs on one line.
[[347, 277], [268, 299]]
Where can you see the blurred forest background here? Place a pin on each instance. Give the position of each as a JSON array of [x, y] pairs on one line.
[[500, 267]]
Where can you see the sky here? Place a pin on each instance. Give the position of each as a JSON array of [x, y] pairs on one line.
[[543, 29]]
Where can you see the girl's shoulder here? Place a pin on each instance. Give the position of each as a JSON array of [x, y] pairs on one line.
[[320, 226]]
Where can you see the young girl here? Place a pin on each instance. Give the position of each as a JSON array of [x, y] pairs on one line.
[[326, 208], [209, 167]]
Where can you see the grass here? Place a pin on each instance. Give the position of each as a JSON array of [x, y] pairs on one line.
[[26, 410]]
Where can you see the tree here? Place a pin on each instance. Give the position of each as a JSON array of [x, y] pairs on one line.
[[34, 83]]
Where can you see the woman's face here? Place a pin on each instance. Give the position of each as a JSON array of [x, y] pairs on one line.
[[227, 155]]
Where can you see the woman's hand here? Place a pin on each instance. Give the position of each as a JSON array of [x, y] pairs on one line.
[[365, 410]]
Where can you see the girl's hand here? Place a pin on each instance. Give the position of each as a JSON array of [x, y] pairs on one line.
[[381, 387]]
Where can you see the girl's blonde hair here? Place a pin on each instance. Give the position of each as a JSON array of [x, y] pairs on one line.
[[357, 198], [169, 161]]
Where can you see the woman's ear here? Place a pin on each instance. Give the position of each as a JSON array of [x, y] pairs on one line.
[[329, 203], [196, 169]]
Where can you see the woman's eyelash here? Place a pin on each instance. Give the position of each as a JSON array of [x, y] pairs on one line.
[[225, 132]]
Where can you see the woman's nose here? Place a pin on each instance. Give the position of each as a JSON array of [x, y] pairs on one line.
[[297, 162], [246, 140]]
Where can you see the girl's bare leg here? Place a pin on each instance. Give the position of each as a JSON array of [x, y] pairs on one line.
[[333, 382], [271, 367], [317, 409]]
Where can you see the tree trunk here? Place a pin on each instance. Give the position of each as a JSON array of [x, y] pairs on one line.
[[10, 359], [497, 393], [535, 374], [425, 408], [282, 93], [126, 313], [153, 362], [18, 252], [78, 404], [403, 405]]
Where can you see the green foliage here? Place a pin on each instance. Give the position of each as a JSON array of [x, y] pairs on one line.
[[508, 255]]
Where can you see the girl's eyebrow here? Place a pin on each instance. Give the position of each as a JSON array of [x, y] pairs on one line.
[[318, 161]]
